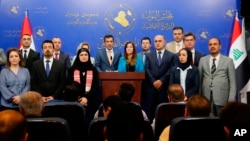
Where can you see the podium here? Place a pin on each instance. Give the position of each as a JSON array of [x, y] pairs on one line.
[[111, 81]]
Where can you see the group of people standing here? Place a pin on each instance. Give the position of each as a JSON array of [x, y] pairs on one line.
[[56, 78]]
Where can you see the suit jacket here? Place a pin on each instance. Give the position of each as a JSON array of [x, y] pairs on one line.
[[139, 66], [222, 83], [192, 82], [197, 57], [141, 54], [64, 58], [52, 85], [154, 71], [171, 47], [32, 57], [102, 62], [3, 58]]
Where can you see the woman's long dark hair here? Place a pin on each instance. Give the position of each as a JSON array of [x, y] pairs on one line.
[[133, 59]]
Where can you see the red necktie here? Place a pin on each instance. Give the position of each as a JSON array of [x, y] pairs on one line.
[[57, 57]]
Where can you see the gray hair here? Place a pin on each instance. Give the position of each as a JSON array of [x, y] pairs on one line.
[[31, 103]]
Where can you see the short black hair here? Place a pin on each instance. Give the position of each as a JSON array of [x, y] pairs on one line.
[[178, 27], [47, 41], [146, 38], [126, 91], [108, 36]]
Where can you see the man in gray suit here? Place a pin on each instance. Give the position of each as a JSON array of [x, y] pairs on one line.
[[217, 74], [107, 59], [177, 44]]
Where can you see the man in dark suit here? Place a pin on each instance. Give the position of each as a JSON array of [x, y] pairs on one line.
[[145, 45], [217, 74], [29, 55], [48, 75], [189, 42], [107, 59], [157, 65], [60, 55]]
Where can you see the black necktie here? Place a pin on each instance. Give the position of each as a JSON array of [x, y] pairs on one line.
[[159, 58], [47, 68], [25, 55], [213, 66]]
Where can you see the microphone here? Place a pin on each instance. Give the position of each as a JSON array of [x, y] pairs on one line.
[[111, 58]]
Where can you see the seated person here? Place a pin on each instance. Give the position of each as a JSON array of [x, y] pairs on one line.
[[197, 106], [130, 61], [109, 103], [125, 123], [236, 115], [31, 104], [175, 95], [13, 126], [126, 93]]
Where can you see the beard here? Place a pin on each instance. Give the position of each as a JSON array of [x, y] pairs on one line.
[[48, 54]]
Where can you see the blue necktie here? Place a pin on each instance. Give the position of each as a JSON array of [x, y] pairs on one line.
[[47, 68], [159, 58]]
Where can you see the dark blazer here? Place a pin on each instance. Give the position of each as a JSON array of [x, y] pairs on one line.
[[102, 62], [155, 72], [64, 58], [52, 85], [197, 57], [192, 82], [32, 57]]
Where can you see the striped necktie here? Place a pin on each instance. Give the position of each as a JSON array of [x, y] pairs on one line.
[[213, 68]]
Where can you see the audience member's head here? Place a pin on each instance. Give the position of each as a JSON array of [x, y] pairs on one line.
[[110, 103], [175, 93], [13, 126], [125, 123], [197, 106], [31, 104], [126, 91], [236, 115]]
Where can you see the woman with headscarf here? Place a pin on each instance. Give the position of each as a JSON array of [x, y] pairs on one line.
[[83, 82], [185, 74]]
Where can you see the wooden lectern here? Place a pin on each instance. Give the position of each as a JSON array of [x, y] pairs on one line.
[[111, 81]]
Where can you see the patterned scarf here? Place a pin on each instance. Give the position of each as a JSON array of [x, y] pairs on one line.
[[89, 79]]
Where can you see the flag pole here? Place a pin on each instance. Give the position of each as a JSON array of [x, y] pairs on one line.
[[26, 13]]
